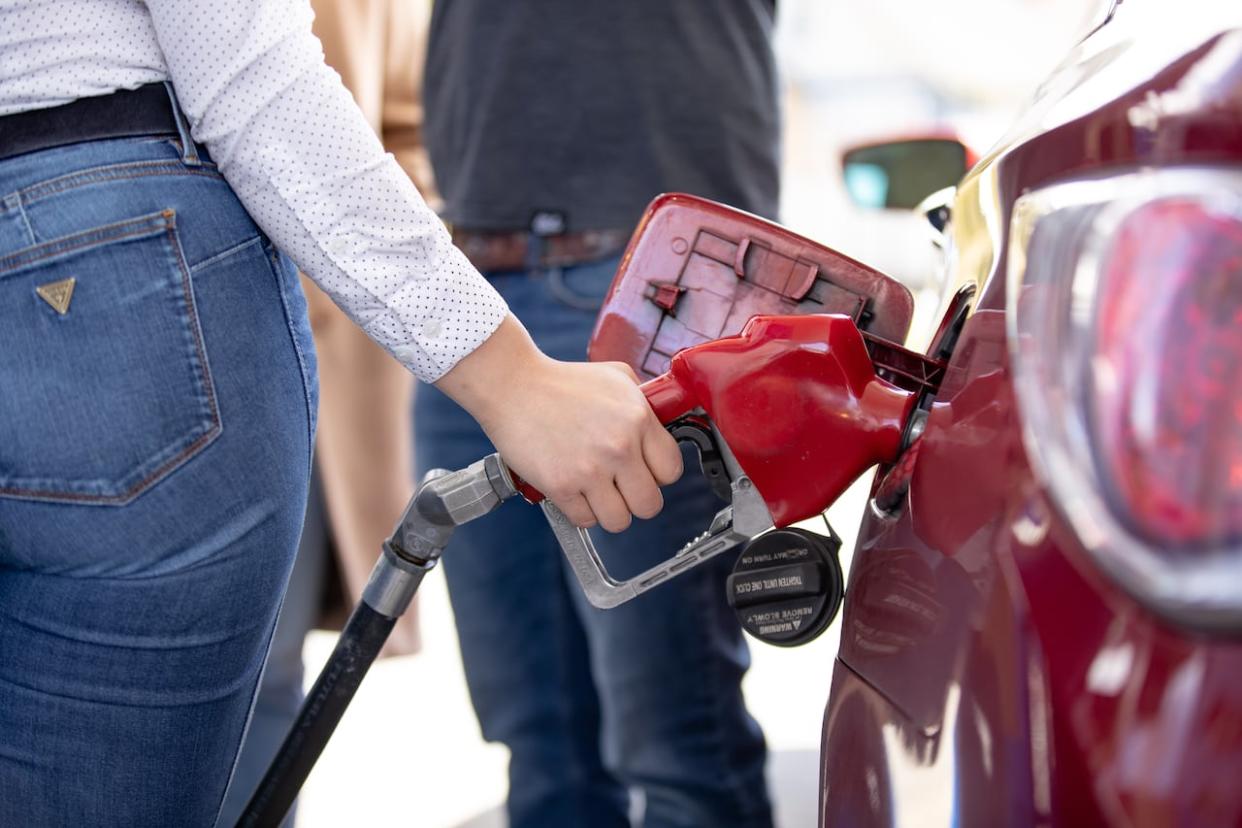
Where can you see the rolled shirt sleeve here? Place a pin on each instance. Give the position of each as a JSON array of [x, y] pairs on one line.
[[294, 146]]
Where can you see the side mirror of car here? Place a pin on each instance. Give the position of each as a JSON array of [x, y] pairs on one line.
[[937, 209], [899, 175]]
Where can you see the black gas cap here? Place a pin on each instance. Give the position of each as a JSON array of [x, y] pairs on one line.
[[786, 586]]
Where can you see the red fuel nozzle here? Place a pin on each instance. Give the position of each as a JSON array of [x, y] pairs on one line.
[[797, 402]]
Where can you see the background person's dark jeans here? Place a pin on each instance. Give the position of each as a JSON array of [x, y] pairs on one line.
[[591, 702]]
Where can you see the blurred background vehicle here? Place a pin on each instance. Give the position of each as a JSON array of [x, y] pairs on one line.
[[1041, 626]]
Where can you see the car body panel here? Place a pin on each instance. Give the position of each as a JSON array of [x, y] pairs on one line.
[[985, 661]]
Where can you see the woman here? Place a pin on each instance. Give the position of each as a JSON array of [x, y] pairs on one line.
[[157, 385]]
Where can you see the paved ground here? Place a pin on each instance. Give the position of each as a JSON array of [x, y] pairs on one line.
[[791, 774]]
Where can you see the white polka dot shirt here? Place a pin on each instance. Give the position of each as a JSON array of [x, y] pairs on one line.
[[288, 138]]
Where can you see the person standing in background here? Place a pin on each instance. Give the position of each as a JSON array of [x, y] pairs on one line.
[[363, 457], [550, 126]]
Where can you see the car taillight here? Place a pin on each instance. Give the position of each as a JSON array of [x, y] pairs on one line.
[[1167, 373], [1126, 332]]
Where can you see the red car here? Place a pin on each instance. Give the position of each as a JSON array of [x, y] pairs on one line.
[[1043, 620]]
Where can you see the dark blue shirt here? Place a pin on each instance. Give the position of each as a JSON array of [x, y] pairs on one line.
[[591, 108]]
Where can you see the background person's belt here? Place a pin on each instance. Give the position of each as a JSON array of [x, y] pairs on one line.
[[498, 251], [126, 113]]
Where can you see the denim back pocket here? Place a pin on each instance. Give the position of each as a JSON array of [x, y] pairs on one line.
[[104, 381]]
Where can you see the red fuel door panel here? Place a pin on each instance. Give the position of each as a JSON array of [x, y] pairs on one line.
[[696, 271]]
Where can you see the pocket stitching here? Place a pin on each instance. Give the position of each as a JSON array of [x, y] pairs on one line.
[[273, 260], [167, 223], [111, 172], [187, 290], [148, 225]]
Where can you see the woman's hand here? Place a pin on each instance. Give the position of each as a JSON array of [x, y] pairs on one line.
[[581, 433]]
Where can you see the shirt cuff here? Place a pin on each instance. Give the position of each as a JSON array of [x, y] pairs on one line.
[[455, 317]]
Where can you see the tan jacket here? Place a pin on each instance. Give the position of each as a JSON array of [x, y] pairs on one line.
[[378, 48]]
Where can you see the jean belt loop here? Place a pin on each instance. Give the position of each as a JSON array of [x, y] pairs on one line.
[[189, 151], [543, 225], [535, 247]]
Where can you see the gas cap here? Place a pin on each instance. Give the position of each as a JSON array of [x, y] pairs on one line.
[[786, 586]]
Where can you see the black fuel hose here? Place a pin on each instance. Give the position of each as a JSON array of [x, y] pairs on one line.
[[360, 642]]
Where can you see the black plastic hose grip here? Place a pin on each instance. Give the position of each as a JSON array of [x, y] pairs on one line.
[[360, 642]]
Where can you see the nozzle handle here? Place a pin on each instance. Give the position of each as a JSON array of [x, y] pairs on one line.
[[747, 517]]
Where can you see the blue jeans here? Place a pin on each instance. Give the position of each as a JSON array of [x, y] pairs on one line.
[[280, 695], [589, 702], [155, 445]]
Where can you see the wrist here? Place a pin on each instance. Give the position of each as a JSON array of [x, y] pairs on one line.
[[481, 381]]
